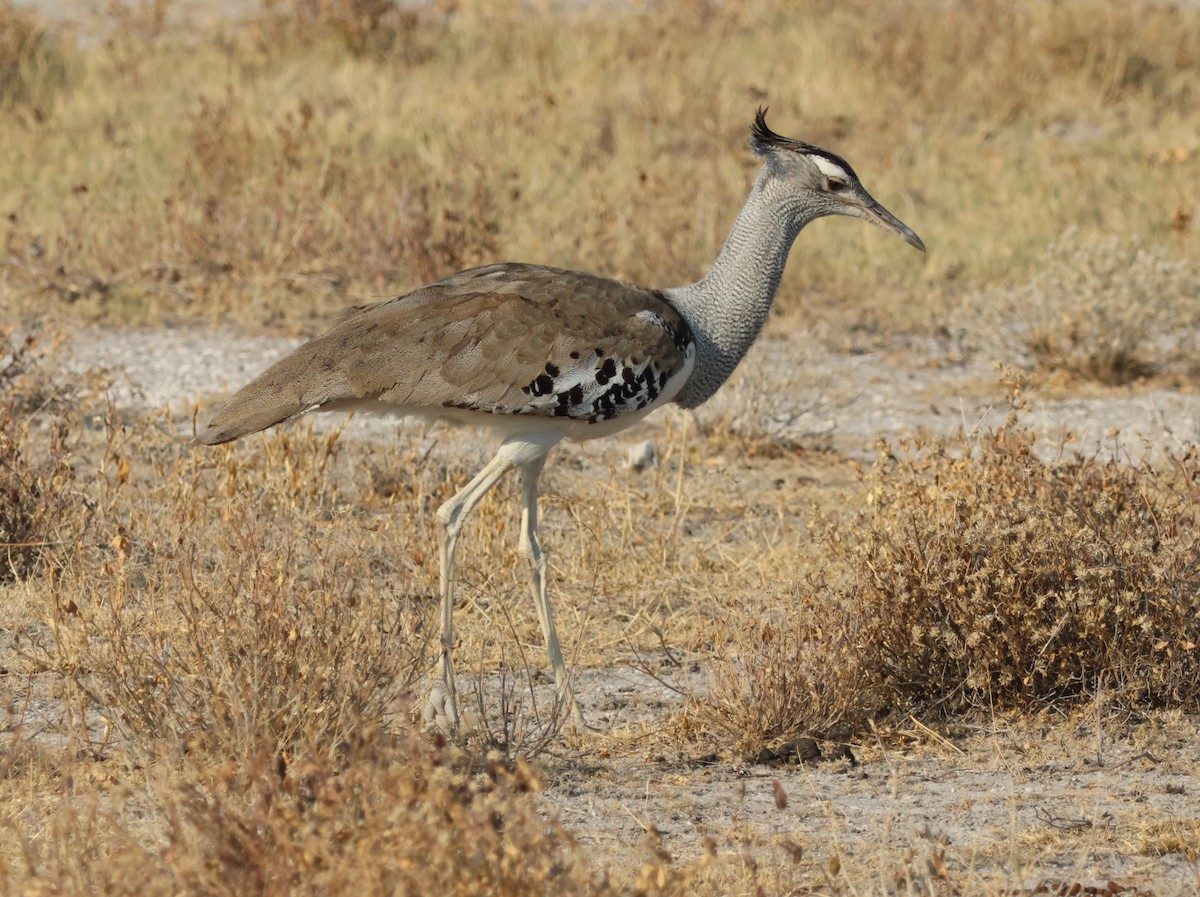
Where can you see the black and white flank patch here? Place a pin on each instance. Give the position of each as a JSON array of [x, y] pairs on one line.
[[606, 384]]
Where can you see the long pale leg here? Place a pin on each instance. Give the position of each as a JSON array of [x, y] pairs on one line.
[[442, 706], [532, 549]]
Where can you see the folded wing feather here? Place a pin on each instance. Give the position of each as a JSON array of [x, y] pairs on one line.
[[480, 339]]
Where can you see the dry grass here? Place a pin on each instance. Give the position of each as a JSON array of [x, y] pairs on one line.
[[41, 512], [226, 655], [981, 576], [231, 650], [213, 654], [376, 817], [330, 151], [234, 647], [32, 63], [1107, 312]]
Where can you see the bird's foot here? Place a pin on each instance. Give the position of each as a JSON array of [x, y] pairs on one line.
[[576, 724], [579, 728], [441, 709]]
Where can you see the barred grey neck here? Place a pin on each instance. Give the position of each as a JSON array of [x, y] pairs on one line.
[[727, 309]]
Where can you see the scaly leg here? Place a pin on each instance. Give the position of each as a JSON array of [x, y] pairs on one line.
[[532, 549], [442, 706]]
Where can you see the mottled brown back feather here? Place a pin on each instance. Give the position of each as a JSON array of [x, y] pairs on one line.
[[475, 340]]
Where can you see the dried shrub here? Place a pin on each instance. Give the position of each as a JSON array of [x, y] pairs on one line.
[[32, 66], [983, 575], [1109, 311], [40, 508], [381, 817], [372, 28], [223, 612], [280, 205], [801, 674], [992, 576], [222, 148]]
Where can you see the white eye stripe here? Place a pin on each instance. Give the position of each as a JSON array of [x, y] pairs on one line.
[[830, 169]]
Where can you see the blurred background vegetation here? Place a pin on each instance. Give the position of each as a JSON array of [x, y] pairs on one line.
[[267, 167]]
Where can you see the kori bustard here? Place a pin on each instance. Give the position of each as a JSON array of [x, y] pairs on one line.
[[541, 354]]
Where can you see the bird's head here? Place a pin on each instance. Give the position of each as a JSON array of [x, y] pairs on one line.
[[827, 182]]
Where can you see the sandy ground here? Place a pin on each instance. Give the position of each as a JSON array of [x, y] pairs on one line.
[[852, 401], [1086, 799], [1014, 804]]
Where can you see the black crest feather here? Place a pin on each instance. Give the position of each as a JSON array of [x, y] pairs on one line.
[[763, 140]]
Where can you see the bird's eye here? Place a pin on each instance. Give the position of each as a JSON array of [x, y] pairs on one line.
[[835, 185]]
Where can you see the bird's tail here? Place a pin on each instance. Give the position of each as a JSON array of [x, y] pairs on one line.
[[292, 386]]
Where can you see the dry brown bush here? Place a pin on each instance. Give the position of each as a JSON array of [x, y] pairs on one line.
[[996, 578], [1108, 311], [222, 611], [378, 816], [32, 67], [800, 674], [378, 28], [982, 575], [41, 510]]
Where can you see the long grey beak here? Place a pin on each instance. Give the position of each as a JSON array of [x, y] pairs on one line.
[[877, 214]]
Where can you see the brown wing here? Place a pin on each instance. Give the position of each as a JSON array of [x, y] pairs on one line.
[[502, 339]]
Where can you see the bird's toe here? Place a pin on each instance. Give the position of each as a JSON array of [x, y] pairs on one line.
[[439, 710]]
